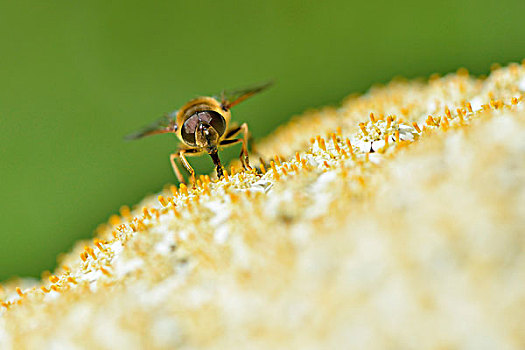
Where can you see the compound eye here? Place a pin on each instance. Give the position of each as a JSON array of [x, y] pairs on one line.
[[217, 122], [188, 130]]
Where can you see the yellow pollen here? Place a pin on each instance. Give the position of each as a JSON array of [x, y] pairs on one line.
[[124, 211], [495, 66], [275, 173], [206, 189], [155, 212], [91, 252], [430, 121], [334, 141], [140, 225], [444, 124], [162, 200], [363, 129], [98, 243], [303, 163], [460, 115], [462, 71], [388, 122], [322, 144], [414, 124], [233, 197], [114, 220], [349, 145], [183, 189]]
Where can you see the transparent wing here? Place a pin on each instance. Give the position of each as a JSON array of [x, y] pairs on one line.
[[166, 124], [230, 98]]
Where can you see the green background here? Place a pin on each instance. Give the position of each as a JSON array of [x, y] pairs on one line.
[[76, 76]]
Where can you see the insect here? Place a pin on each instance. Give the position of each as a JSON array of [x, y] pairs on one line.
[[203, 125]]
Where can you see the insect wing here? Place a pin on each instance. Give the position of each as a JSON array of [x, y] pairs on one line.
[[230, 98], [166, 124]]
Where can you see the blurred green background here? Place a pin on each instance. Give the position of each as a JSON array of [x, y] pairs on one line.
[[76, 76]]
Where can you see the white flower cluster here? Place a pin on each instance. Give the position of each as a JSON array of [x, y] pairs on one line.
[[343, 242]]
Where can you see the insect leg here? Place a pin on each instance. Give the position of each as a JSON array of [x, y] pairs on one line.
[[232, 132], [232, 142], [236, 130], [176, 168], [244, 150], [218, 166], [184, 162]]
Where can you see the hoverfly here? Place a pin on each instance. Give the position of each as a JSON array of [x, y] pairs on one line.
[[202, 125]]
